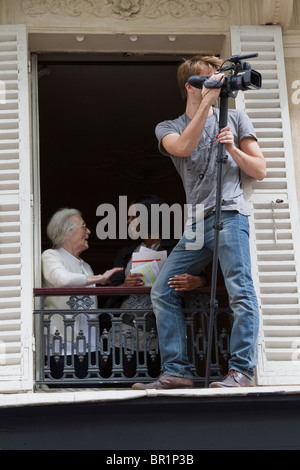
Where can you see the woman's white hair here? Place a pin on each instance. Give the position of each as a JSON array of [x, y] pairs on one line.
[[61, 226]]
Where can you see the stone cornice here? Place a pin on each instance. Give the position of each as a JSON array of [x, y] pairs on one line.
[[276, 12], [127, 9]]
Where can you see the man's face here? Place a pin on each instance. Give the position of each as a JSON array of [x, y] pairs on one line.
[[205, 71]]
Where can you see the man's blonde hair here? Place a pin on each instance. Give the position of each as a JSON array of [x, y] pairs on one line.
[[194, 66]]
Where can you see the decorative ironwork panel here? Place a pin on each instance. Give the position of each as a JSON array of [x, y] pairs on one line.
[[120, 346]]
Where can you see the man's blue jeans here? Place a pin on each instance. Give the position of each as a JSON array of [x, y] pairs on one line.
[[234, 256]]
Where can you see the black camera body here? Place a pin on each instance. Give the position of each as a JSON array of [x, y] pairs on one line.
[[243, 79]]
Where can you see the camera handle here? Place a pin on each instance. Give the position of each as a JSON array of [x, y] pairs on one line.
[[221, 160]]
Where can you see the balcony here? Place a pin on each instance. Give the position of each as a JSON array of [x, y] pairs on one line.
[[119, 346]]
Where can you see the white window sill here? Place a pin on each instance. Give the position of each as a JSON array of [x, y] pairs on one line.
[[74, 396]]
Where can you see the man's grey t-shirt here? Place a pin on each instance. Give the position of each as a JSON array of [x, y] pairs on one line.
[[199, 170]]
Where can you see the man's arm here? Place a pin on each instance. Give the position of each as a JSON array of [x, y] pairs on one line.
[[184, 145]]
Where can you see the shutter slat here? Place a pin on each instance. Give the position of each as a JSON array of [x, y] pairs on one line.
[[282, 320], [273, 311]]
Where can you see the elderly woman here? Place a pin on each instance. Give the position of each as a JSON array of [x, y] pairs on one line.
[[63, 267]]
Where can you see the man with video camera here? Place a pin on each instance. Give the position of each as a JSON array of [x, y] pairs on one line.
[[192, 142]]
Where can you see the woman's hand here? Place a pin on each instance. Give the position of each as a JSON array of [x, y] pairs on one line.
[[186, 282], [133, 280], [102, 279]]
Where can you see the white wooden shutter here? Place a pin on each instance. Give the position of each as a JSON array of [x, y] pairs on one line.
[[16, 365], [275, 240]]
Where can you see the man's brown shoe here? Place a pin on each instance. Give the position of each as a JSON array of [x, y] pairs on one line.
[[233, 379], [166, 382]]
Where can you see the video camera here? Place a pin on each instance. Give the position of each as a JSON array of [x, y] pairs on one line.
[[244, 78]]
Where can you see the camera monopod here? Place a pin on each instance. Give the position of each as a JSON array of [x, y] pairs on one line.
[[243, 79]]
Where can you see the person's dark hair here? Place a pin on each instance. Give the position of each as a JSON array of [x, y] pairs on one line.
[[148, 201]]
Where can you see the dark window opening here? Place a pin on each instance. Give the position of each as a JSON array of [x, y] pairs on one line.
[[97, 140]]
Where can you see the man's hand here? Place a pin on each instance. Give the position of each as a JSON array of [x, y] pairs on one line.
[[211, 95], [186, 282], [226, 137]]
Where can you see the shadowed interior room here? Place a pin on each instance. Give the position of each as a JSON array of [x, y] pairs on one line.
[[97, 138]]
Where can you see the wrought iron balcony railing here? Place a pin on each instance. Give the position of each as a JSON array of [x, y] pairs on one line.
[[103, 346]]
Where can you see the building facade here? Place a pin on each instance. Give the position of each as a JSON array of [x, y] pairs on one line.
[[33, 32]]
